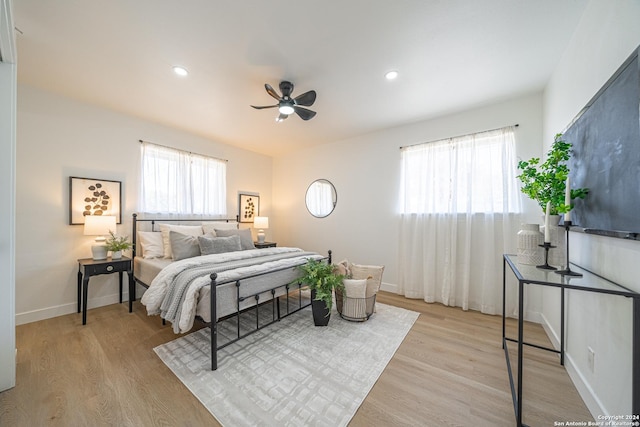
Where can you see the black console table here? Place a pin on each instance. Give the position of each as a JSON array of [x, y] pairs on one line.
[[589, 282]]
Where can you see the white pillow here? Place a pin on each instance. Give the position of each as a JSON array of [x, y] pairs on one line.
[[355, 304], [189, 230], [359, 271], [355, 288], [151, 244], [210, 227]]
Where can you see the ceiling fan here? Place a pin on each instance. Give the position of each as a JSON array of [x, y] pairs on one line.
[[287, 105]]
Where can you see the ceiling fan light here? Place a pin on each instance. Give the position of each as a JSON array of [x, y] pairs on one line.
[[285, 109]]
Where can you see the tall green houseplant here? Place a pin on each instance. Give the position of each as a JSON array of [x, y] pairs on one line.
[[321, 278], [546, 182]]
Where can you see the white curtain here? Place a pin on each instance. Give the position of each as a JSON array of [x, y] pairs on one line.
[[460, 212], [179, 182]]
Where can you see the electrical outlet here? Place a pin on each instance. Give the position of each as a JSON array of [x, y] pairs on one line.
[[591, 359]]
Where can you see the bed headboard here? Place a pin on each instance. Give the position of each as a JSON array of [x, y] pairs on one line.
[[152, 222]]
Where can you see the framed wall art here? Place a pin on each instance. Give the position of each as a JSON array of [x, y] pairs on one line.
[[91, 196], [249, 207]]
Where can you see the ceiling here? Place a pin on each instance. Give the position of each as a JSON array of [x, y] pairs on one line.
[[452, 55]]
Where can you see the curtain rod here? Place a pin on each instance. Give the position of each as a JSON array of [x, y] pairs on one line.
[[184, 151], [451, 137]]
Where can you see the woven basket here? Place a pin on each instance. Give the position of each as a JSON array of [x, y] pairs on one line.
[[355, 309]]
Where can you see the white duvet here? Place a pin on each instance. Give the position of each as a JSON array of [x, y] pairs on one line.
[[154, 297]]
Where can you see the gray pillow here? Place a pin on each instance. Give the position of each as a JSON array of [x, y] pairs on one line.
[[218, 245], [246, 241], [183, 246]]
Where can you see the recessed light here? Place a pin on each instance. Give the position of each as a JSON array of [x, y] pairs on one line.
[[391, 75], [181, 71]]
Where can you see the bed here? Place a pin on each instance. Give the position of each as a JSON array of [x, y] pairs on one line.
[[180, 261]]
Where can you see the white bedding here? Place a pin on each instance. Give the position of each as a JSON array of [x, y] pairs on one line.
[[194, 301], [146, 269]]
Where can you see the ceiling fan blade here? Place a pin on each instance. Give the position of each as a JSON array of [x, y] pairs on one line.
[[304, 113], [264, 106], [271, 91], [307, 98]]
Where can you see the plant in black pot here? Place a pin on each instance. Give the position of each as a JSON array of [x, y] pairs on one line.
[[322, 280]]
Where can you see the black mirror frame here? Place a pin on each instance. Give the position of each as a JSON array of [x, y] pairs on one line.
[[334, 201]]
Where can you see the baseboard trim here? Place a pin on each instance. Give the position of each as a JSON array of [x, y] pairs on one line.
[[586, 392], [64, 309], [389, 287]]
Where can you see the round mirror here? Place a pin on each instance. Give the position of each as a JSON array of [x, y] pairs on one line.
[[321, 198]]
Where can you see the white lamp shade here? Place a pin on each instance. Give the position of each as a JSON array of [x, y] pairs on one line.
[[99, 225], [261, 222]]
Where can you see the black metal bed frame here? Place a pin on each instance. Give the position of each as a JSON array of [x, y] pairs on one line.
[[134, 238], [276, 312]]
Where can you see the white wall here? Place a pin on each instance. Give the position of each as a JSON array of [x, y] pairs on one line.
[[59, 137], [7, 198], [607, 34], [366, 172]]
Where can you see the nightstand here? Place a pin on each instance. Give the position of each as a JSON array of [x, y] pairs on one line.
[[264, 245], [88, 267]]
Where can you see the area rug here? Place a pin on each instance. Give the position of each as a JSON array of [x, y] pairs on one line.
[[291, 373]]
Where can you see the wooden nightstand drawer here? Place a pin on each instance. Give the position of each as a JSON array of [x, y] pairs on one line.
[[107, 267], [264, 245]]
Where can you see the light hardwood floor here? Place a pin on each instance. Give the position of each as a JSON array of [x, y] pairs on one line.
[[449, 371]]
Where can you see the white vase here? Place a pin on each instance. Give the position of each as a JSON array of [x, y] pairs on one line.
[[116, 255], [529, 239]]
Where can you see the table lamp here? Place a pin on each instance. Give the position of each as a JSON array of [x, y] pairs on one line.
[[99, 225], [261, 223]]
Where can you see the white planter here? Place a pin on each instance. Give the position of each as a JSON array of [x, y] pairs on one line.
[[529, 239], [116, 255]]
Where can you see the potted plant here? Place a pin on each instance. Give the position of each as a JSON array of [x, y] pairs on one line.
[[322, 280], [545, 182], [117, 244]]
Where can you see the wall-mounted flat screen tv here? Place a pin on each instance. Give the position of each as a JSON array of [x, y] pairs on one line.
[[606, 156]]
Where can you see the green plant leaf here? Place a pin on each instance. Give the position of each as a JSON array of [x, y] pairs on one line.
[[320, 276], [546, 182], [115, 243]]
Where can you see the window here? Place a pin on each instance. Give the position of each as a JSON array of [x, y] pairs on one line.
[[468, 174], [460, 212], [179, 182]]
